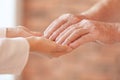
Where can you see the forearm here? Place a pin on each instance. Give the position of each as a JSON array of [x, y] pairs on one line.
[[106, 10], [117, 25], [14, 53]]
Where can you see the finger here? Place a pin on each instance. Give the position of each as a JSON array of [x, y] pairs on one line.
[[73, 27], [53, 27], [82, 40], [52, 47], [61, 39], [24, 28], [59, 30], [62, 33], [36, 33], [75, 35], [62, 28]]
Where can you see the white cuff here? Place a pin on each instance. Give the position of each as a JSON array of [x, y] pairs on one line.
[[14, 54]]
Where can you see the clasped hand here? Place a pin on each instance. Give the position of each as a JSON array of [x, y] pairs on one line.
[[67, 33]]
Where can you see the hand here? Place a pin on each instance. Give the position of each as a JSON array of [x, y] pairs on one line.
[[21, 31], [57, 27], [40, 44], [89, 31]]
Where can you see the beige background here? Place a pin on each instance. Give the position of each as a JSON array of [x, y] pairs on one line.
[[38, 14], [88, 62]]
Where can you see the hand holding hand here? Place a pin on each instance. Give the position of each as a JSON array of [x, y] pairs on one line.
[[89, 31], [57, 27], [40, 44]]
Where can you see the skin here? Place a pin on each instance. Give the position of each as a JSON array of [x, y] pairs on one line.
[[41, 44], [68, 27], [21, 31], [37, 42], [90, 31]]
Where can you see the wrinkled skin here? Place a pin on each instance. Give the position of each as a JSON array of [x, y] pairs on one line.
[[66, 29], [60, 24], [90, 31]]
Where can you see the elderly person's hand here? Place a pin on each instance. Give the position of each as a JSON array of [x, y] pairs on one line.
[[21, 31], [105, 11], [46, 46], [60, 24], [89, 31]]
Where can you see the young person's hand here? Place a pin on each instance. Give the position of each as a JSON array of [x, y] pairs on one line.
[[21, 31], [41, 44]]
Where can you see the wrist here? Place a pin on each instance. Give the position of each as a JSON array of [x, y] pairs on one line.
[[33, 42], [11, 32]]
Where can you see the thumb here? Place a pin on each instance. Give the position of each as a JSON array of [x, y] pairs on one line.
[[82, 40], [36, 33]]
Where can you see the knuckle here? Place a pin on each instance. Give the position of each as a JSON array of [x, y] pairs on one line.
[[85, 21]]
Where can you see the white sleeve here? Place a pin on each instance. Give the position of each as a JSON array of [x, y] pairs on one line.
[[14, 54]]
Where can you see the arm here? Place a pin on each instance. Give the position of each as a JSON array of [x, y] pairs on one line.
[[105, 10], [14, 53], [91, 31], [37, 42], [48, 47], [20, 31]]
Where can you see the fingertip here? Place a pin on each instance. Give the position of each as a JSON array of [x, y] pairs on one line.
[[47, 36], [73, 46], [65, 43], [58, 42], [53, 36]]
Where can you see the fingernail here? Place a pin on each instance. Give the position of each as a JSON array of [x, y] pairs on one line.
[[51, 38]]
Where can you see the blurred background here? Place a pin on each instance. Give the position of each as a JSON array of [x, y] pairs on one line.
[[85, 63], [38, 14]]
